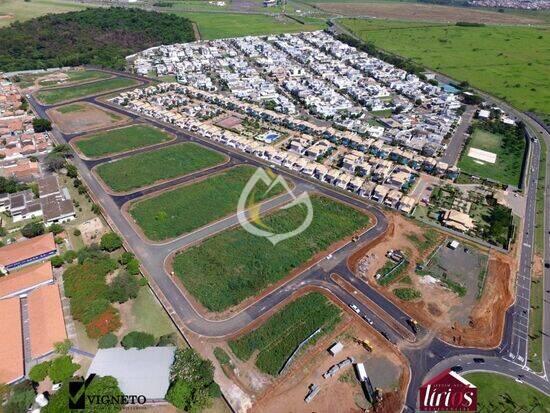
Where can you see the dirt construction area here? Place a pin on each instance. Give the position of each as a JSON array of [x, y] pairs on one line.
[[342, 392], [457, 314], [423, 12], [84, 117]]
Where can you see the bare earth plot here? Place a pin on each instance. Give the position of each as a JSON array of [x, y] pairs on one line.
[[148, 168], [83, 117], [424, 12], [120, 140]]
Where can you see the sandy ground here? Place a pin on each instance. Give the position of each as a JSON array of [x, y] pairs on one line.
[[90, 118], [440, 309], [424, 12], [91, 231], [342, 392]]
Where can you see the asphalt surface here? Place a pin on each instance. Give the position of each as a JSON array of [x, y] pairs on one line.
[[459, 137], [429, 358]]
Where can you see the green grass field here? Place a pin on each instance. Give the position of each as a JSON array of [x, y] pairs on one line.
[[496, 393], [77, 77], [145, 169], [71, 108], [489, 58], [189, 207], [229, 267], [222, 25], [22, 10], [121, 140], [506, 169], [61, 94], [279, 336]]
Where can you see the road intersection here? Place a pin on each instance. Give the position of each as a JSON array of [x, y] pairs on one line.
[[431, 357]]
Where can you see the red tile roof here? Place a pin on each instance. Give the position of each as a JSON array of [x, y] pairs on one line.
[[11, 341], [26, 279]]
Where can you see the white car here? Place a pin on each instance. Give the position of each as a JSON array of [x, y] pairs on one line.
[[355, 308]]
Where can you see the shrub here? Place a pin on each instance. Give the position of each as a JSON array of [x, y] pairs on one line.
[[133, 267], [55, 229], [192, 381], [407, 294], [63, 347], [62, 368], [72, 172], [138, 339], [33, 229], [21, 399], [142, 282], [125, 258], [41, 125], [57, 261], [110, 242], [76, 232], [69, 256], [123, 287], [107, 341], [104, 323], [39, 372], [167, 340]]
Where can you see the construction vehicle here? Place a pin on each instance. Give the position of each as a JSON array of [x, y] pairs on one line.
[[365, 343]]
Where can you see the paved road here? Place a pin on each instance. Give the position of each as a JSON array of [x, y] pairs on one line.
[[423, 359], [459, 137]]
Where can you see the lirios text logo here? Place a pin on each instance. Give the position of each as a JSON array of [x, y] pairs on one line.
[[448, 392]]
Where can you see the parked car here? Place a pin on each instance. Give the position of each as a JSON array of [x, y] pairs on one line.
[[354, 308], [457, 369], [479, 360]]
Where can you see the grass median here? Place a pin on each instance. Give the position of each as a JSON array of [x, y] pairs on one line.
[[145, 169], [61, 94], [226, 269], [192, 206], [279, 336], [120, 140]]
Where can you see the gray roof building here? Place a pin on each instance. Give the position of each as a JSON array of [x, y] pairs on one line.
[[139, 372]]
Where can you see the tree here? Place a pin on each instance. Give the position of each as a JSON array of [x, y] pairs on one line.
[[69, 256], [96, 209], [125, 257], [33, 229], [56, 228], [138, 339], [21, 398], [133, 267], [107, 341], [167, 340], [54, 161], [62, 368], [104, 323], [57, 261], [192, 381], [123, 287], [110, 242], [103, 387], [39, 372], [41, 125], [63, 347], [72, 172]]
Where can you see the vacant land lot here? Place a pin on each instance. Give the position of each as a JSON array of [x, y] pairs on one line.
[[506, 169], [61, 94], [72, 77], [20, 10], [489, 58], [224, 270], [145, 169], [500, 393], [120, 140], [187, 208], [277, 338], [82, 117], [222, 25], [426, 13]]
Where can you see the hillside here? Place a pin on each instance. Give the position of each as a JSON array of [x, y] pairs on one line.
[[100, 36]]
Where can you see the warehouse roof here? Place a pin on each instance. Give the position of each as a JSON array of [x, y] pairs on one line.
[[139, 372], [24, 280]]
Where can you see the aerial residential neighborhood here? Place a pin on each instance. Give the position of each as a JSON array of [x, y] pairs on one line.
[[274, 206]]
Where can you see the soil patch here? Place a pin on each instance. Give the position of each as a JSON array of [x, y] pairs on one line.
[[422, 12], [88, 117]]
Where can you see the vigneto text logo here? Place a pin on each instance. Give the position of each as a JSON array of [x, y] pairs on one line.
[[80, 398], [448, 391]]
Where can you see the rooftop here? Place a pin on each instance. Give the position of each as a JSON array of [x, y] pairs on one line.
[[19, 251], [25, 279], [11, 341]]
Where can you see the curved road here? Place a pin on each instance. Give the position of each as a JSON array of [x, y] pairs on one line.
[[425, 360]]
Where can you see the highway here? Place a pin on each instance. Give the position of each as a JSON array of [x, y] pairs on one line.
[[508, 358]]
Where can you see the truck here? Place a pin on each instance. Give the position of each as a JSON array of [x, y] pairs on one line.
[[361, 372]]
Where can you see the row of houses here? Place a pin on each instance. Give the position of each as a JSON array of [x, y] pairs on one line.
[[54, 203]]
